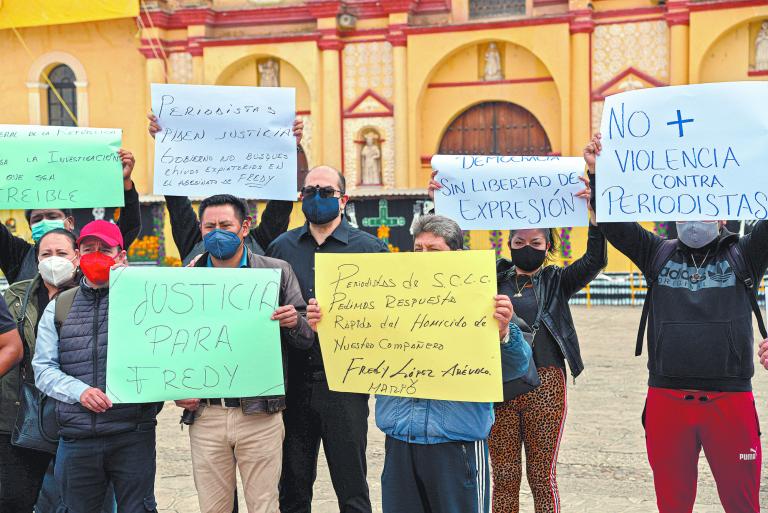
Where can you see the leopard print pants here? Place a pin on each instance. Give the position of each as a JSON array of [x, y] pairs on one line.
[[535, 420]]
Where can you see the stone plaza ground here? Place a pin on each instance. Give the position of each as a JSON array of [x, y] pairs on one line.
[[602, 465]]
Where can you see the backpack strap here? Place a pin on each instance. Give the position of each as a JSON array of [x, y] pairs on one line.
[[660, 258], [63, 305], [736, 260]]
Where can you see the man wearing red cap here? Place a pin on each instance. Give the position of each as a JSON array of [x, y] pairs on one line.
[[99, 442]]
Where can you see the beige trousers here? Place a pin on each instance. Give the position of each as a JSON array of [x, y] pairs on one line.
[[223, 439]]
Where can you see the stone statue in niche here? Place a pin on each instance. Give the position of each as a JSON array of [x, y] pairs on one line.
[[370, 159], [761, 48], [492, 70], [269, 73]]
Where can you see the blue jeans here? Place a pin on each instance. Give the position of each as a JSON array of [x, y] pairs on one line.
[[49, 499], [85, 467]]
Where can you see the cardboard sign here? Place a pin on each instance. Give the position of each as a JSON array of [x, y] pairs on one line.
[[193, 333], [410, 324], [684, 153], [225, 140]]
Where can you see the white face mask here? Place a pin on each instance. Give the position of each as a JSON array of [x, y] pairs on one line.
[[697, 234], [56, 270]]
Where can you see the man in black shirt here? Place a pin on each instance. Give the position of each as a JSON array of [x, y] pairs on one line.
[[18, 260], [314, 413]]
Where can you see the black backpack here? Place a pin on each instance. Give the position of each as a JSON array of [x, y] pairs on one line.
[[735, 259]]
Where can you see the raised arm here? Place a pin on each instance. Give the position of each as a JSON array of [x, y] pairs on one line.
[[274, 222], [583, 270], [12, 252], [130, 217], [634, 241], [755, 248], [185, 227]]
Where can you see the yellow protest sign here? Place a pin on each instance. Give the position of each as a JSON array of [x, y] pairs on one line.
[[410, 324], [36, 13]]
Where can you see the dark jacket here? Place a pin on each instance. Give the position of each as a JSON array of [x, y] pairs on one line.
[[9, 383], [300, 337], [185, 227], [699, 331], [18, 260], [83, 355], [554, 286]]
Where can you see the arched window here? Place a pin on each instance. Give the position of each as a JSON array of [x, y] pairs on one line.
[[63, 79]]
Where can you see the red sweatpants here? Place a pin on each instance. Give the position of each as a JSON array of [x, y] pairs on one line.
[[679, 423]]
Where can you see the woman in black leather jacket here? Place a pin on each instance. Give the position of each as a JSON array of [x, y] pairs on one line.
[[539, 292]]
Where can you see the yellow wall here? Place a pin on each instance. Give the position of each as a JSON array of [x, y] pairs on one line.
[[439, 57], [108, 52], [720, 44], [716, 45]]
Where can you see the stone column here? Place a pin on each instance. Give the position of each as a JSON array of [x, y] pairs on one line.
[[678, 20], [398, 19], [581, 29], [328, 138]]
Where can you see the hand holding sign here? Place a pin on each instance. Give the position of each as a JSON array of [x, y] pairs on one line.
[[684, 153]]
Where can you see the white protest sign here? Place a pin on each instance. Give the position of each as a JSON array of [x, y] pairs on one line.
[[225, 140], [685, 153], [509, 193]]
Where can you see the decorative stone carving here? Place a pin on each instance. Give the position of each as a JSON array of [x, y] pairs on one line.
[[370, 159], [269, 73], [492, 69], [761, 48]]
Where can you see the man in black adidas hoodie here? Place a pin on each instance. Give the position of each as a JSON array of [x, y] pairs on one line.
[[700, 355]]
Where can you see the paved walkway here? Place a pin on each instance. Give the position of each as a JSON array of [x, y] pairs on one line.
[[602, 469]]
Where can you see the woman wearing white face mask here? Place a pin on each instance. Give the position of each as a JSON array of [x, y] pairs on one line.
[[22, 470]]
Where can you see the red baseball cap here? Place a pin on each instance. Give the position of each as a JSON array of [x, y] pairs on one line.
[[105, 231]]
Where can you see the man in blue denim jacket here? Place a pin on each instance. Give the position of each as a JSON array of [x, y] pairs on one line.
[[436, 454]]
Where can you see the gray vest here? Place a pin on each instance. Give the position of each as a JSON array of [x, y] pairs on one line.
[[199, 249], [83, 355]]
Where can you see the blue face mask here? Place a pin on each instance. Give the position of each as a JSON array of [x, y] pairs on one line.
[[319, 210], [40, 228], [221, 244]]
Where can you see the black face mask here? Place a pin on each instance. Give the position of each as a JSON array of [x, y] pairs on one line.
[[528, 259]]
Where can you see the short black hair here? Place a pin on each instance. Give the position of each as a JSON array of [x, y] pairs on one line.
[[239, 206], [68, 212], [57, 231]]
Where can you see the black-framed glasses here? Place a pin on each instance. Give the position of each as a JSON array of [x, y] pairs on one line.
[[325, 192]]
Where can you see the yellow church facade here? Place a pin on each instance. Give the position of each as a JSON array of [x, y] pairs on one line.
[[382, 85]]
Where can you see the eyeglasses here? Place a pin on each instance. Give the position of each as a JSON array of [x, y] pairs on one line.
[[325, 192]]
